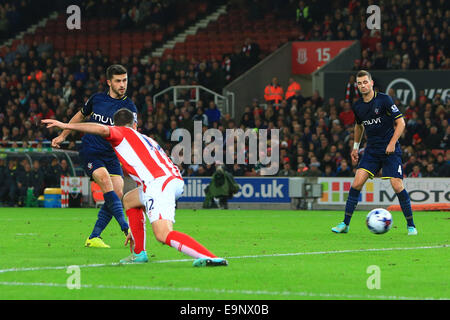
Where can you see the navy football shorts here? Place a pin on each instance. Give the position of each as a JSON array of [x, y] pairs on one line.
[[391, 165], [92, 162]]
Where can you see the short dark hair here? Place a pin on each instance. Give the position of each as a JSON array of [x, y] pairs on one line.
[[362, 73], [115, 69], [123, 118]]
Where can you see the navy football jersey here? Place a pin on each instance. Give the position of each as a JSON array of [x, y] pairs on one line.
[[378, 117], [101, 108]]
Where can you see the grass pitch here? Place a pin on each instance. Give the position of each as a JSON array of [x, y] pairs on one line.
[[286, 255]]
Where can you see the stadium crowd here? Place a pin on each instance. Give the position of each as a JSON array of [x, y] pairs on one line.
[[38, 82]]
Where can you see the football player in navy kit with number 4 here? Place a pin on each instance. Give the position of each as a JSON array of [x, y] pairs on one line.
[[100, 161], [377, 114]]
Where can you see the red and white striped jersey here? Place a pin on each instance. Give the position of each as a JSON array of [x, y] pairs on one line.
[[141, 156]]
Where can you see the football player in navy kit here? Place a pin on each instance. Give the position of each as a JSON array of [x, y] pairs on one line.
[[100, 161], [379, 117]]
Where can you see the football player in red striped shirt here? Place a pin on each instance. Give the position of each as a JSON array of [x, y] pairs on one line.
[[159, 185]]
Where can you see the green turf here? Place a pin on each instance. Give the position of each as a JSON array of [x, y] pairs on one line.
[[321, 264]]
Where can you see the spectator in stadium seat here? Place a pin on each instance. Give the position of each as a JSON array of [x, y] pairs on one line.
[[346, 116], [286, 171], [250, 51], [3, 176], [433, 139], [327, 161], [343, 170], [23, 48], [247, 119], [351, 90], [45, 48], [201, 116], [38, 182], [213, 114], [380, 61], [430, 171], [65, 169], [24, 181], [9, 194], [415, 172], [125, 21], [442, 165], [218, 79], [53, 174], [313, 171], [328, 171], [181, 63], [15, 134]]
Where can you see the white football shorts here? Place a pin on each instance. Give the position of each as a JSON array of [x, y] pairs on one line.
[[160, 196]]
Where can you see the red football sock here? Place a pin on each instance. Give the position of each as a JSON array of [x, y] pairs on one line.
[[186, 244], [136, 220]]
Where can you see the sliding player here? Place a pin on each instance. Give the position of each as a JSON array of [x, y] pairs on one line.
[[160, 184]]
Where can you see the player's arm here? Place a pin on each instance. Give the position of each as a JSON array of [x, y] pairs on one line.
[[78, 117], [399, 127], [91, 128], [393, 111], [357, 134]]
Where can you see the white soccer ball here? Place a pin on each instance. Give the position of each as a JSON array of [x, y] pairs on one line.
[[379, 221]]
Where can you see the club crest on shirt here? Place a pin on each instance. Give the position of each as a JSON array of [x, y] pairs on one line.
[[89, 165], [377, 111]]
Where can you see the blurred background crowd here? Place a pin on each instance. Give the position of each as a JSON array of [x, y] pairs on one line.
[[45, 75]]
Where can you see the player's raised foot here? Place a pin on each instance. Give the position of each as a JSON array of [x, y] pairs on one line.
[[412, 231], [96, 242], [210, 262], [340, 228], [136, 258]]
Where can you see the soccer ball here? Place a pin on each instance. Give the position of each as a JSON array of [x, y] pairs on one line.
[[379, 221]]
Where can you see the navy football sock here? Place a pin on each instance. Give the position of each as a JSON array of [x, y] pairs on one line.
[[405, 204], [350, 205], [104, 217], [115, 207]]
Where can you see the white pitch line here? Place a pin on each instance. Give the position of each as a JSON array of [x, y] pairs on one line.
[[225, 291], [236, 257]]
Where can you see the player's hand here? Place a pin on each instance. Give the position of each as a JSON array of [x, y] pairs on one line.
[[130, 240], [390, 149], [56, 142], [355, 156], [54, 123]]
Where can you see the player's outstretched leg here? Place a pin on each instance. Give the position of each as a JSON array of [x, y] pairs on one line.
[[186, 244]]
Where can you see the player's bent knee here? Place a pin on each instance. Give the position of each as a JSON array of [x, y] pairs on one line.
[[161, 235], [161, 229]]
